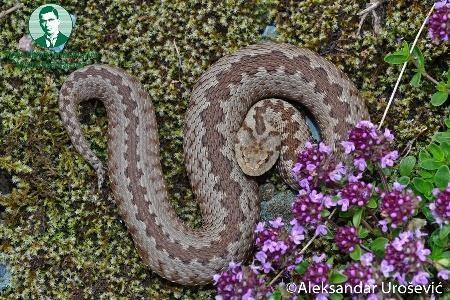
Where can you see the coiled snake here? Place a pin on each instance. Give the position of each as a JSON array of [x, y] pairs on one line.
[[213, 136]]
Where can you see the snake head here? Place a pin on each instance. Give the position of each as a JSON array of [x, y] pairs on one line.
[[256, 155]]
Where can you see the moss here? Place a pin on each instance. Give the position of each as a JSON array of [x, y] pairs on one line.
[[63, 240]]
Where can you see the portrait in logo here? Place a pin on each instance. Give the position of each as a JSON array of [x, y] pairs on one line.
[[50, 27]]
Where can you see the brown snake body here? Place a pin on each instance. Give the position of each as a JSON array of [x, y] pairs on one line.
[[219, 103]]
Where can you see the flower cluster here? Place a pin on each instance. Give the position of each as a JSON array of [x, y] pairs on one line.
[[438, 28], [307, 208], [317, 272], [404, 259], [239, 283], [398, 205], [361, 272], [313, 167], [366, 143], [347, 238], [441, 207], [356, 193], [273, 243]]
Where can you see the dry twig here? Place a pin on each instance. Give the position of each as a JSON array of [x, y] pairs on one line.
[[12, 9], [376, 20]]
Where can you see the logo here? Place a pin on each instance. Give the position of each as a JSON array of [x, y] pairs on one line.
[[50, 27]]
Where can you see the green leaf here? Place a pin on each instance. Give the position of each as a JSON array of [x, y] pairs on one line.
[[436, 151], [442, 137], [404, 180], [436, 241], [362, 232], [436, 253], [416, 80], [357, 217], [407, 165], [448, 76], [330, 261], [378, 245], [446, 146], [423, 155], [442, 177], [418, 55], [302, 267], [422, 186], [444, 232], [356, 254], [405, 49], [372, 203], [398, 57], [430, 164], [325, 213], [276, 295], [337, 278], [439, 98], [425, 174], [442, 87], [447, 122], [444, 259]]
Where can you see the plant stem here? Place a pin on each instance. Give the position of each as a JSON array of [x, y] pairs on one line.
[[365, 248], [367, 225], [304, 248], [383, 178], [403, 68], [427, 76]]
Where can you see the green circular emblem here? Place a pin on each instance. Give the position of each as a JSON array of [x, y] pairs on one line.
[[50, 26]]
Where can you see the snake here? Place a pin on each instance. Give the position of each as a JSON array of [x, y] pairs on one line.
[[227, 142]]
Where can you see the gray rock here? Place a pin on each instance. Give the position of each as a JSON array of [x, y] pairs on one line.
[[5, 276], [278, 206]]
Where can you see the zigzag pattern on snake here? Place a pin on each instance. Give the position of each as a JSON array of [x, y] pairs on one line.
[[218, 107]]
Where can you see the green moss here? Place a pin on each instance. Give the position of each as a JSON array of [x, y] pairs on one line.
[[59, 236]]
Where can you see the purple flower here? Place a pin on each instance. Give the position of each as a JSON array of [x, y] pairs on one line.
[[272, 243], [261, 256], [388, 135], [421, 278], [321, 230], [297, 233], [367, 143], [277, 223], [348, 147], [383, 225], [359, 274], [444, 274], [318, 258], [398, 206], [307, 208], [355, 193], [404, 258], [338, 173], [366, 259], [315, 165], [260, 227], [389, 159], [360, 164], [239, 283], [316, 274], [438, 28], [347, 238], [441, 207]]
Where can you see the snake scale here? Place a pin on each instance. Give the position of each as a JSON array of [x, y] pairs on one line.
[[217, 128]]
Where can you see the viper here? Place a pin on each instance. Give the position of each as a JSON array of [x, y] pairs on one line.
[[242, 116]]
